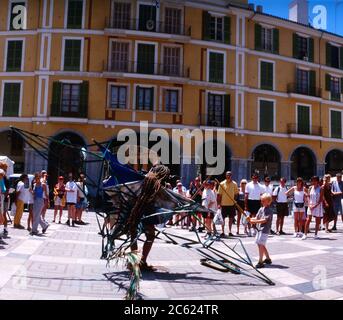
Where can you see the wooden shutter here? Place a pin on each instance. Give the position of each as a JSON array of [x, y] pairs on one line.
[[84, 93], [311, 49], [14, 55], [328, 54], [227, 122], [75, 9], [266, 75], [266, 116], [56, 98], [336, 124], [206, 24], [341, 58], [295, 46], [276, 41], [327, 82], [303, 119], [151, 106], [227, 30], [342, 85], [258, 37], [72, 55], [11, 100], [312, 82], [216, 67]]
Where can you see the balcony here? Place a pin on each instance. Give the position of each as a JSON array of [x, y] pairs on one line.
[[219, 122], [56, 111], [148, 26], [156, 69], [293, 128], [309, 91]]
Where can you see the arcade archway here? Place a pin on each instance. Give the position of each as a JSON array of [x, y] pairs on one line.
[[266, 161], [12, 145], [303, 163], [334, 162]]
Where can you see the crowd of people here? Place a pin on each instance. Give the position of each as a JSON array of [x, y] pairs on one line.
[[37, 197]]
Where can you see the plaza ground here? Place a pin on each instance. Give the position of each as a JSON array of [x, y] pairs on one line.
[[65, 264]]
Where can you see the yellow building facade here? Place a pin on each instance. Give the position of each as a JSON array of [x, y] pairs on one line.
[[85, 69]]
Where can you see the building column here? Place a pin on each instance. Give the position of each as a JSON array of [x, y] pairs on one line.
[[240, 169], [286, 169], [320, 169], [34, 162]]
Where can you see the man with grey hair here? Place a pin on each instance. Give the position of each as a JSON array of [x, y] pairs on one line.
[[337, 191]]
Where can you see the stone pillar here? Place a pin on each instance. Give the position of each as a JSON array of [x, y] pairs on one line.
[[240, 168], [34, 162], [286, 169], [320, 169], [94, 170]]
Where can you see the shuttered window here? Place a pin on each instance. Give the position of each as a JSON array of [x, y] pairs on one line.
[[120, 56], [171, 98], [75, 13], [147, 17], [266, 39], [172, 20], [118, 96], [216, 28], [14, 55], [144, 98], [303, 115], [218, 110], [121, 15], [171, 61], [303, 48], [334, 56], [72, 55], [266, 116], [145, 58], [11, 99], [216, 67], [336, 124], [267, 71]]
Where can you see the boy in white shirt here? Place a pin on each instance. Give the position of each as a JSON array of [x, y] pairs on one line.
[[209, 201], [71, 197]]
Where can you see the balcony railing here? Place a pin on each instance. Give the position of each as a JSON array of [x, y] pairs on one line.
[[293, 128], [299, 89], [149, 26], [159, 69], [211, 121], [56, 111]]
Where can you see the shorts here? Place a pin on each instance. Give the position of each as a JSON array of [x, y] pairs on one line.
[[261, 238], [58, 202], [337, 206], [81, 205], [71, 203], [295, 209], [254, 206], [282, 209], [228, 211]]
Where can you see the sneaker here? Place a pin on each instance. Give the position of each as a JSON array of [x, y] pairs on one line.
[[67, 222], [315, 237], [192, 229], [18, 226], [282, 233], [34, 233], [259, 265], [29, 229], [46, 228], [53, 221], [201, 229], [82, 223], [272, 232], [334, 228], [73, 223], [59, 222], [267, 261], [300, 234], [222, 235], [295, 235], [231, 234], [304, 237], [5, 232]]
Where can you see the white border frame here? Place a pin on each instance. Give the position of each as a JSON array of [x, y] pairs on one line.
[[22, 67], [296, 115], [135, 95], [50, 13], [21, 82], [128, 91], [259, 99], [224, 53], [110, 51], [9, 14], [330, 132], [45, 36], [66, 7], [259, 72], [82, 52], [161, 107], [155, 58]]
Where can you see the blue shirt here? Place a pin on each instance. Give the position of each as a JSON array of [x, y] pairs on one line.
[[2, 186]]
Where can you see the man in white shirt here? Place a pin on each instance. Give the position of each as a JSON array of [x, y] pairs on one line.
[[268, 187], [280, 196], [253, 192], [20, 201], [71, 197]]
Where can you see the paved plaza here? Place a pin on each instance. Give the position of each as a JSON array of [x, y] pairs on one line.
[[65, 264]]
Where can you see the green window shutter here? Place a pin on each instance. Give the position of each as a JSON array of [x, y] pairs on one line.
[[14, 55], [227, 122], [311, 49], [75, 9], [151, 106], [328, 54], [227, 30], [266, 75], [56, 98], [336, 124], [341, 85], [312, 83], [276, 41], [327, 82], [146, 58], [72, 55], [341, 58], [11, 100], [84, 94], [266, 116], [303, 119], [258, 36], [216, 67], [206, 23], [137, 98], [295, 46]]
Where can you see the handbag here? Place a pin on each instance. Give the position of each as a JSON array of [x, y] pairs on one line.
[[299, 204]]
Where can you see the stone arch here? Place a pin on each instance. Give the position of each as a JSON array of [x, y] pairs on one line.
[[334, 161], [266, 159], [303, 163]]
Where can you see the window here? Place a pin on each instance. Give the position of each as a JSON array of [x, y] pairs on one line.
[[334, 56], [172, 20], [171, 61], [121, 15], [11, 99], [120, 56], [218, 110], [216, 27], [13, 17], [266, 39], [303, 48], [303, 119], [306, 82], [14, 55], [75, 14], [266, 75], [118, 96], [216, 67], [266, 119], [70, 98], [147, 17], [171, 98], [336, 124], [144, 98], [145, 58], [267, 44], [72, 55], [335, 89]]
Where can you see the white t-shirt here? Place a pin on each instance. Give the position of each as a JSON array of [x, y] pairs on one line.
[[281, 194], [208, 196], [71, 196], [255, 190], [268, 189], [82, 189], [183, 189], [21, 189]]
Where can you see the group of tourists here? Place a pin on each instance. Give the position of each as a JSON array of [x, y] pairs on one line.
[[36, 196]]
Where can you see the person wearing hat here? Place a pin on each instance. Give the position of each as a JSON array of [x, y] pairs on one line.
[[59, 198], [337, 191]]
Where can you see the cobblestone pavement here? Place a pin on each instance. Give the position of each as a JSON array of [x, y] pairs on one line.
[[65, 264]]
